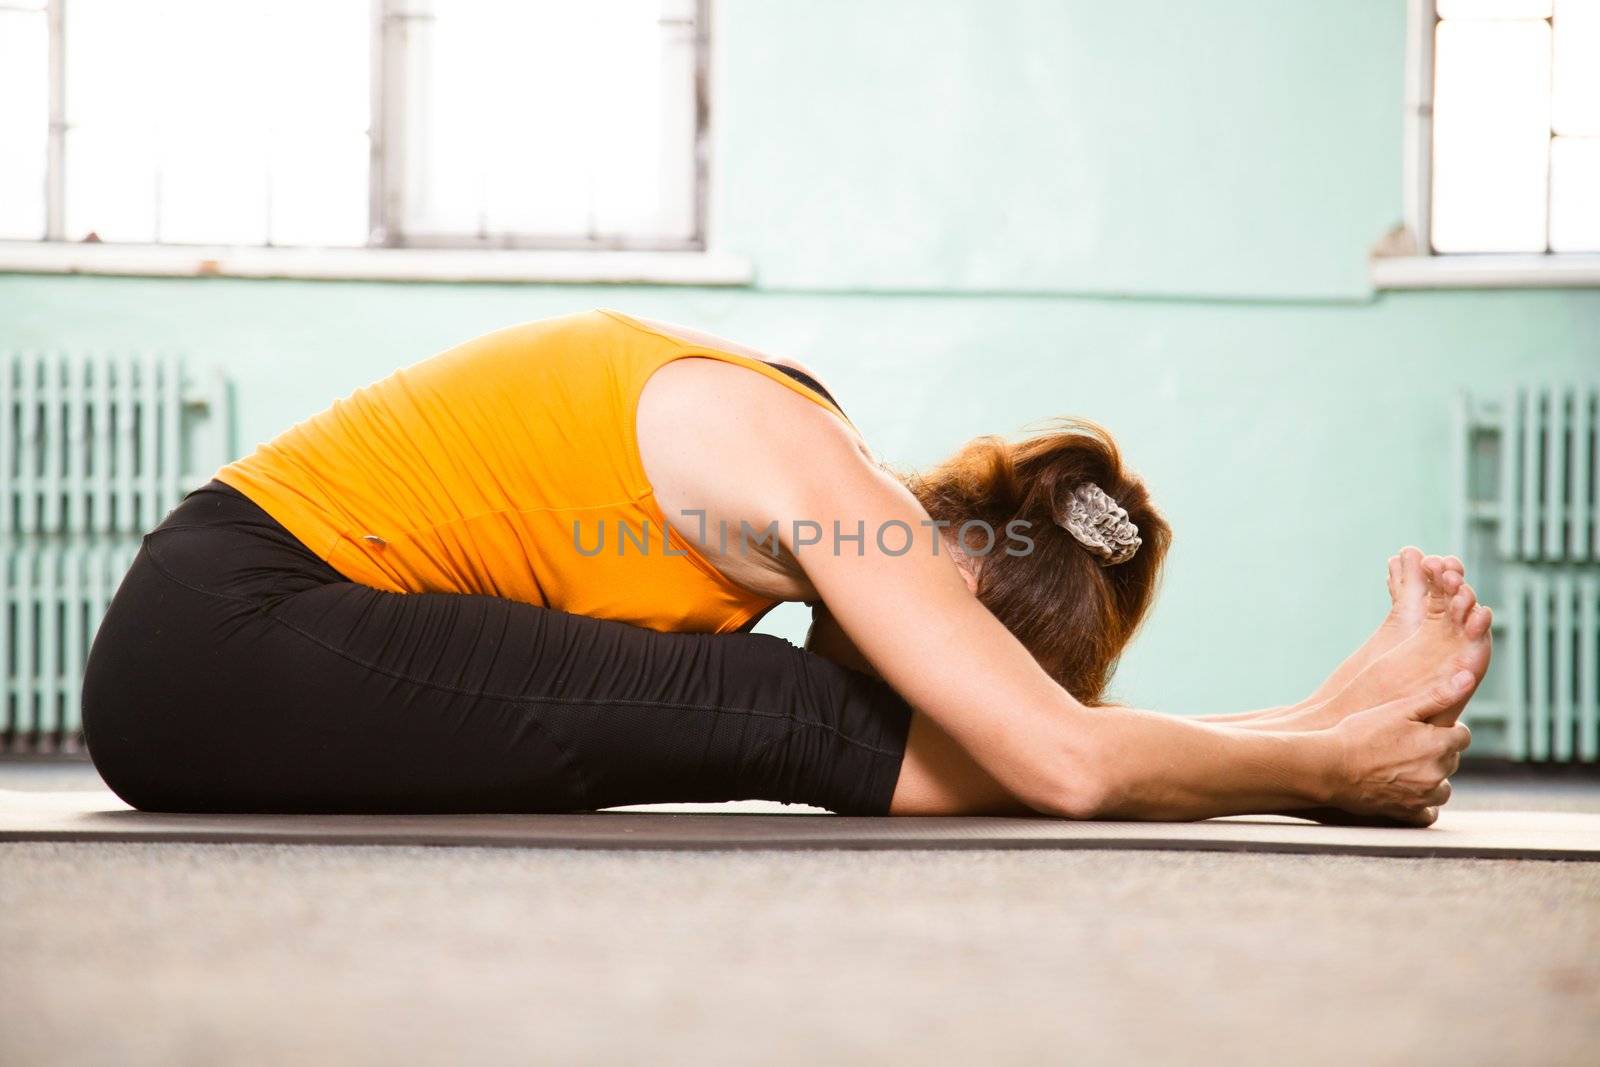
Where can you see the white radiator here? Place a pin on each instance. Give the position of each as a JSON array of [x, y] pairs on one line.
[[93, 452], [1530, 528], [54, 598], [1550, 653]]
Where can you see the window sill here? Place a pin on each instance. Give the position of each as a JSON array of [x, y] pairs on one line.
[[1566, 270], [377, 264]]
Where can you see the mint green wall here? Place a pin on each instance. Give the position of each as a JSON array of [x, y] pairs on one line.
[[971, 215], [1232, 147]]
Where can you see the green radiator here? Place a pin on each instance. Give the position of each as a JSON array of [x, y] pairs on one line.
[[94, 450], [1530, 531]]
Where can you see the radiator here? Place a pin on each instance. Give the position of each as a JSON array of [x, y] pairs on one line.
[[93, 452], [1530, 530]]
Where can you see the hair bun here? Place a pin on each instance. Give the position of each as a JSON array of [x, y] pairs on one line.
[[1101, 525]]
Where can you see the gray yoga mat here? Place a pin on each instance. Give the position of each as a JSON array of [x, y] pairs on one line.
[[100, 816]]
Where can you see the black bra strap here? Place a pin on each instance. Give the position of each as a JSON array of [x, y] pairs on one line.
[[808, 381]]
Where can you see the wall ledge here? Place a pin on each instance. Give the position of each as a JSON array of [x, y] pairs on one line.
[[708, 268], [1561, 270]]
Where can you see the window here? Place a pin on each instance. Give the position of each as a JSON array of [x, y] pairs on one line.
[[1516, 126], [1503, 133], [347, 123]]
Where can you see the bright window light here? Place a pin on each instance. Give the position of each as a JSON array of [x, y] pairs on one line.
[[1516, 121], [24, 119], [1491, 135], [1575, 77], [426, 123], [193, 122], [551, 119], [1575, 194]]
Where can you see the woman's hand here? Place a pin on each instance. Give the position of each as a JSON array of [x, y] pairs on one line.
[[1390, 763]]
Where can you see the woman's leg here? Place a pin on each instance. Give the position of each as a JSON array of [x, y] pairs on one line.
[[236, 672]]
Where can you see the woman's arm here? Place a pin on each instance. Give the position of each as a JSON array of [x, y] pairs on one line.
[[939, 777], [782, 459], [914, 620], [827, 639]]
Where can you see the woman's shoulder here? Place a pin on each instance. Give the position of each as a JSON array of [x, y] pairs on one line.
[[694, 338]]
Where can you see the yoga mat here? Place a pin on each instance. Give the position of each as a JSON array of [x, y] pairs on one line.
[[100, 816]]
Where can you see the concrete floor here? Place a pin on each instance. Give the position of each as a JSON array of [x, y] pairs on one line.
[[179, 954]]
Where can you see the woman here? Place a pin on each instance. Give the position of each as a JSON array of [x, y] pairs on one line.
[[456, 590]]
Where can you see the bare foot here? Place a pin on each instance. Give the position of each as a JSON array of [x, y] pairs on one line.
[[1408, 588], [1408, 593], [1453, 635]]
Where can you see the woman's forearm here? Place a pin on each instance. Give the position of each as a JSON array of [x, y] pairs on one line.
[[939, 777], [1249, 716], [1127, 764], [1154, 766]]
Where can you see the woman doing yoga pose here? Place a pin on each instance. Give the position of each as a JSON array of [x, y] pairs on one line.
[[517, 576]]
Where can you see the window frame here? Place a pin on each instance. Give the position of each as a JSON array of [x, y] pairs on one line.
[[391, 59], [1404, 258], [390, 253]]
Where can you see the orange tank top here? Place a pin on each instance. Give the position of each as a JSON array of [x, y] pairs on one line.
[[469, 471]]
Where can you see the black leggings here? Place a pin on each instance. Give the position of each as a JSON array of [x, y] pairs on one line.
[[237, 672]]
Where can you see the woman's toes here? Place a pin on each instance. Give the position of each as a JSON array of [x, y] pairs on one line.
[[1411, 561], [1453, 563], [1451, 581], [1474, 654], [1461, 605], [1478, 621], [1407, 583], [1438, 598]]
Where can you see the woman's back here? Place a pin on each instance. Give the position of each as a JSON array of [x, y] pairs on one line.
[[508, 466]]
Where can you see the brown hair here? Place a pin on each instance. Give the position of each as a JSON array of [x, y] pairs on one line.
[[1073, 614]]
